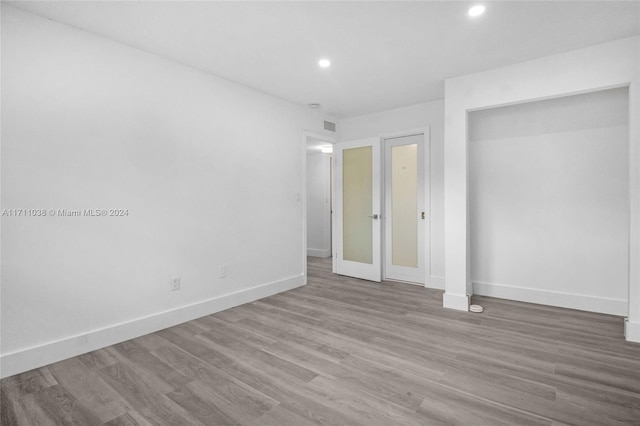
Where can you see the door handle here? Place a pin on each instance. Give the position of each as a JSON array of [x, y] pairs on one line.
[[374, 216], [423, 215]]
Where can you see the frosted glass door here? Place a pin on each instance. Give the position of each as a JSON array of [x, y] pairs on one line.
[[358, 229], [357, 197], [405, 213], [404, 205]]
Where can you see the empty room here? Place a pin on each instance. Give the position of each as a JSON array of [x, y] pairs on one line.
[[320, 213]]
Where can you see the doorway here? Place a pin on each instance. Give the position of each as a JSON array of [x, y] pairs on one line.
[[381, 208], [318, 159]]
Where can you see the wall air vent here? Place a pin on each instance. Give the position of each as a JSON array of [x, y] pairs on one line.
[[329, 126]]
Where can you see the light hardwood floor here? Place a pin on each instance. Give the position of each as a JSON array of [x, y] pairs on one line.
[[342, 351]]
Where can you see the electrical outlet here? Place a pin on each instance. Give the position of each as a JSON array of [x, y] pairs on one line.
[[174, 283], [222, 273]]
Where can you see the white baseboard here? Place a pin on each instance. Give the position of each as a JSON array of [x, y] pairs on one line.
[[459, 302], [552, 298], [436, 282], [632, 331], [41, 355], [318, 252]]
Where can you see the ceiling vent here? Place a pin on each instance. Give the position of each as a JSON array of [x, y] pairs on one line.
[[329, 126]]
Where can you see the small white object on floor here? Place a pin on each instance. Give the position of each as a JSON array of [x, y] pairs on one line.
[[476, 308]]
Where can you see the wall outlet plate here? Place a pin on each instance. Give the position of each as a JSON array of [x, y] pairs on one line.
[[222, 273], [174, 283]]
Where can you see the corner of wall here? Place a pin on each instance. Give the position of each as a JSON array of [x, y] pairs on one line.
[[459, 302], [632, 331]]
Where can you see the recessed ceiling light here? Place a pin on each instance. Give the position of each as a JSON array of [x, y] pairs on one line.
[[476, 10], [324, 63]]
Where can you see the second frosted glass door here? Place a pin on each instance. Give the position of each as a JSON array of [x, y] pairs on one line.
[[405, 214]]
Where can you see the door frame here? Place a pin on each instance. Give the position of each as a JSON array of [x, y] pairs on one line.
[[329, 139], [426, 132]]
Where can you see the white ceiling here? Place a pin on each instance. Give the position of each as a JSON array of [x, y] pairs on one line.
[[384, 54]]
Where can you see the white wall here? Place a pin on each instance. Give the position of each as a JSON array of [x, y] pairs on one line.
[[318, 204], [597, 67], [549, 212], [209, 171], [427, 114]]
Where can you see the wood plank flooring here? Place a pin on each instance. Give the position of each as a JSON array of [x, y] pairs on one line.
[[342, 351]]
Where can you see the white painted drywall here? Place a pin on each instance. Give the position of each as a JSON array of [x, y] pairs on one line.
[[209, 171], [548, 201], [318, 204], [429, 114], [598, 67]]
